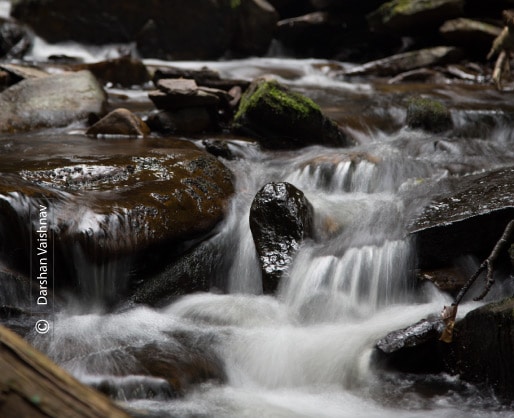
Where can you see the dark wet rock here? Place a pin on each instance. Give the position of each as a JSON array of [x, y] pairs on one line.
[[190, 120], [406, 61], [119, 122], [168, 29], [255, 23], [57, 100], [280, 219], [203, 77], [415, 349], [473, 35], [346, 5], [290, 8], [446, 279], [218, 148], [483, 346], [124, 71], [15, 39], [408, 16], [467, 219], [134, 387], [428, 114], [281, 118]]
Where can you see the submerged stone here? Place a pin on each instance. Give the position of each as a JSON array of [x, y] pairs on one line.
[[280, 219], [428, 114], [124, 71], [281, 118]]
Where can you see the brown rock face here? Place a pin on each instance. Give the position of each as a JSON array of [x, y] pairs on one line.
[[120, 122]]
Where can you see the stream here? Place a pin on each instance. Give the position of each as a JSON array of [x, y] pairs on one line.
[[308, 350]]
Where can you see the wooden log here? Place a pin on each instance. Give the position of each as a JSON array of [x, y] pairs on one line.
[[31, 385]]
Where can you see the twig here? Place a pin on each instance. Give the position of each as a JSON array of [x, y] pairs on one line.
[[449, 313]]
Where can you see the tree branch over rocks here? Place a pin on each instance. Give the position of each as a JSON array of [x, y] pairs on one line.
[[503, 45], [449, 313]]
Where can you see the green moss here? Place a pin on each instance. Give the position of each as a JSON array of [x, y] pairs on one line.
[[428, 114], [278, 98], [234, 4]]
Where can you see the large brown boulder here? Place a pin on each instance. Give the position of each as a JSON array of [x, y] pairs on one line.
[[131, 207]]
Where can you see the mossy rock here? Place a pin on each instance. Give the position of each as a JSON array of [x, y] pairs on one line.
[[429, 115], [282, 119]]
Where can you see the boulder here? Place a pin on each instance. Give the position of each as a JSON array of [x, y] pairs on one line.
[[15, 39], [483, 347], [120, 122], [255, 23], [406, 61], [53, 101], [429, 115], [280, 219], [138, 206], [411, 16], [449, 279], [473, 35], [468, 218], [280, 118]]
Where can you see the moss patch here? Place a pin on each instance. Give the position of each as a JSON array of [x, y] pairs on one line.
[[428, 114], [279, 99]]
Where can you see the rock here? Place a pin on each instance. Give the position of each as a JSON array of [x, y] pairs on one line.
[[473, 35], [167, 29], [290, 8], [57, 100], [429, 115], [120, 122], [124, 71], [415, 349], [190, 120], [15, 39], [180, 93], [406, 61], [255, 23], [280, 118], [483, 347], [413, 16], [280, 219], [166, 199], [22, 72], [204, 77], [346, 5], [467, 219]]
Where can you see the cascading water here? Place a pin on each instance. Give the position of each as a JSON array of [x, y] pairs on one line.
[[307, 352]]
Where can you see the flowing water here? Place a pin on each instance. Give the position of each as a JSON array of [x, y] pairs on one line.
[[308, 351]]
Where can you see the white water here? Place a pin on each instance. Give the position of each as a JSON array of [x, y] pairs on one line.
[[307, 351]]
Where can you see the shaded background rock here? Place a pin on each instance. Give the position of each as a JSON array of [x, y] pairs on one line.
[[119, 122], [280, 219], [428, 114]]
